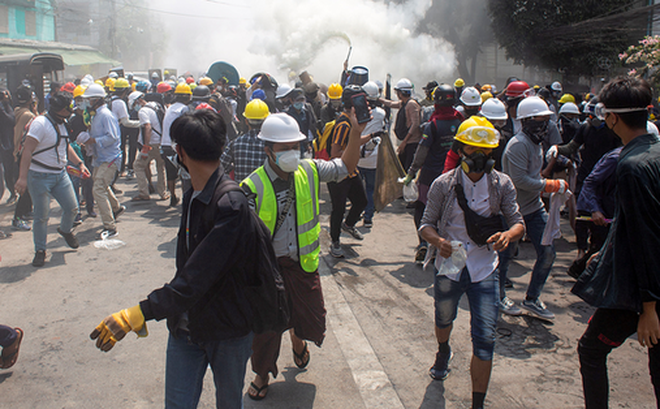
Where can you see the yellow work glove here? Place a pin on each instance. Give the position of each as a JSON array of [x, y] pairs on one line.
[[115, 327], [409, 177]]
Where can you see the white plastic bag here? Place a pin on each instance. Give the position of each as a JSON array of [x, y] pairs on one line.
[[109, 244], [410, 191], [455, 263]]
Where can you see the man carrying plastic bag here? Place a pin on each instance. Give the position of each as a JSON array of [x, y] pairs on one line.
[[469, 205]]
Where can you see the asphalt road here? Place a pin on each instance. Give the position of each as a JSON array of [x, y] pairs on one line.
[[379, 344]]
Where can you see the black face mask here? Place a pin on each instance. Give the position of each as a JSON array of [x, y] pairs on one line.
[[180, 163], [535, 130], [477, 162], [57, 118]]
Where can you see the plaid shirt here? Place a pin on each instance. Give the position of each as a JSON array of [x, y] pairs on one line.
[[244, 155]]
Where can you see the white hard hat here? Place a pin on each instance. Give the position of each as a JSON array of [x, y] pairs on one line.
[[280, 128], [283, 90], [94, 91], [86, 80], [533, 106], [404, 84], [494, 110], [134, 96], [556, 86], [471, 97], [371, 89], [569, 108], [113, 74]]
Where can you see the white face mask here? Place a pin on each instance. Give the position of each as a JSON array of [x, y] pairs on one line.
[[288, 161]]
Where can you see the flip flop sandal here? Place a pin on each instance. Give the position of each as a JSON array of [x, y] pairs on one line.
[[300, 357], [10, 358], [140, 199], [258, 396]]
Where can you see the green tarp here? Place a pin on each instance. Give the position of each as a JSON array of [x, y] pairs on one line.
[[70, 57]]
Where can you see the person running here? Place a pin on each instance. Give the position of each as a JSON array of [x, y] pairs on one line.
[[473, 191], [623, 282], [208, 315], [285, 193], [43, 173]]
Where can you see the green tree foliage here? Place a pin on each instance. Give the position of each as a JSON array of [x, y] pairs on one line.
[[572, 37], [466, 25]]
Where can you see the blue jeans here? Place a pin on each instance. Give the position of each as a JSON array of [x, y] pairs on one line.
[[187, 363], [369, 178], [42, 186], [545, 255], [483, 297]]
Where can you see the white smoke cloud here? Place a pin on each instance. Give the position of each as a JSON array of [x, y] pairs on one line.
[[280, 36]]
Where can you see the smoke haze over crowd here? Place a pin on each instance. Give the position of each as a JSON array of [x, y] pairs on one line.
[[285, 35]]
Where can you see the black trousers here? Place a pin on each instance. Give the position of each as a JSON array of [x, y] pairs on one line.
[[10, 175], [607, 330], [352, 189]]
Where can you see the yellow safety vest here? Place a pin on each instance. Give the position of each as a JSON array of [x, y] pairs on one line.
[[306, 180]]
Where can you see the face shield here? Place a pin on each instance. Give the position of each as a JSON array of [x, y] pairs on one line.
[[600, 111]]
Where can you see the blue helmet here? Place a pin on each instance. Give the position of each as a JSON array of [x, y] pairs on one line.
[[143, 86]]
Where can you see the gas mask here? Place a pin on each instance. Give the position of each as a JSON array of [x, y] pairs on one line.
[[288, 161], [477, 162], [535, 130]]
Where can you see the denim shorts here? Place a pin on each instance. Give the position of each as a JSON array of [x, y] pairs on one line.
[[483, 298]]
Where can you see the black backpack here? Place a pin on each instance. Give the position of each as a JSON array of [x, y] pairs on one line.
[[263, 287], [400, 128]]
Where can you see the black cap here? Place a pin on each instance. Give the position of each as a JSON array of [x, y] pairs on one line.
[[444, 95], [430, 86], [348, 93]]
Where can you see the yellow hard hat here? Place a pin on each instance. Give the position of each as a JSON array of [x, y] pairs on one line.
[[477, 131], [183, 89], [486, 96], [486, 87], [205, 81], [459, 83], [99, 82], [334, 91], [193, 86], [121, 83], [242, 81], [566, 98], [256, 109], [110, 84], [79, 91]]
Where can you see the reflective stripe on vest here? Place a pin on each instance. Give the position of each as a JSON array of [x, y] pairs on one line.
[[306, 180]]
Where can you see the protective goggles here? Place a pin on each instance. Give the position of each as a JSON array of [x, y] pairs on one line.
[[480, 136], [600, 111]]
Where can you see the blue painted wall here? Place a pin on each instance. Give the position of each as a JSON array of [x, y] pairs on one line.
[[44, 19]]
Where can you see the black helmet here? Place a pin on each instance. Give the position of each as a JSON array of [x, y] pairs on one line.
[[444, 95], [430, 86], [201, 92], [23, 94], [347, 95]]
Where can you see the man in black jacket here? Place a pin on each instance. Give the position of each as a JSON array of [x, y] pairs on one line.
[[207, 313], [625, 284]]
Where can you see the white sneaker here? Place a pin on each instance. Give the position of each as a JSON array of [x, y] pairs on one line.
[[508, 307]]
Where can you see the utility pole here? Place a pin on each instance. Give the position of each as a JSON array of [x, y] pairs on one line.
[[113, 30]]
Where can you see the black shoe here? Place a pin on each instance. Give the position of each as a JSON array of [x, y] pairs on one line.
[[440, 370], [116, 190], [420, 254], [91, 213], [71, 240], [174, 201], [508, 283], [119, 212], [152, 189], [39, 258], [78, 220]]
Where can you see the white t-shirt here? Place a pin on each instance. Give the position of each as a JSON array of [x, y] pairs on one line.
[[370, 149], [148, 115], [43, 131], [173, 112], [119, 108], [481, 260]]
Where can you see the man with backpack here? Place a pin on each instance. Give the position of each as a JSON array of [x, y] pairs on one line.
[[407, 126], [120, 110], [43, 173], [285, 191], [206, 304], [151, 120]]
